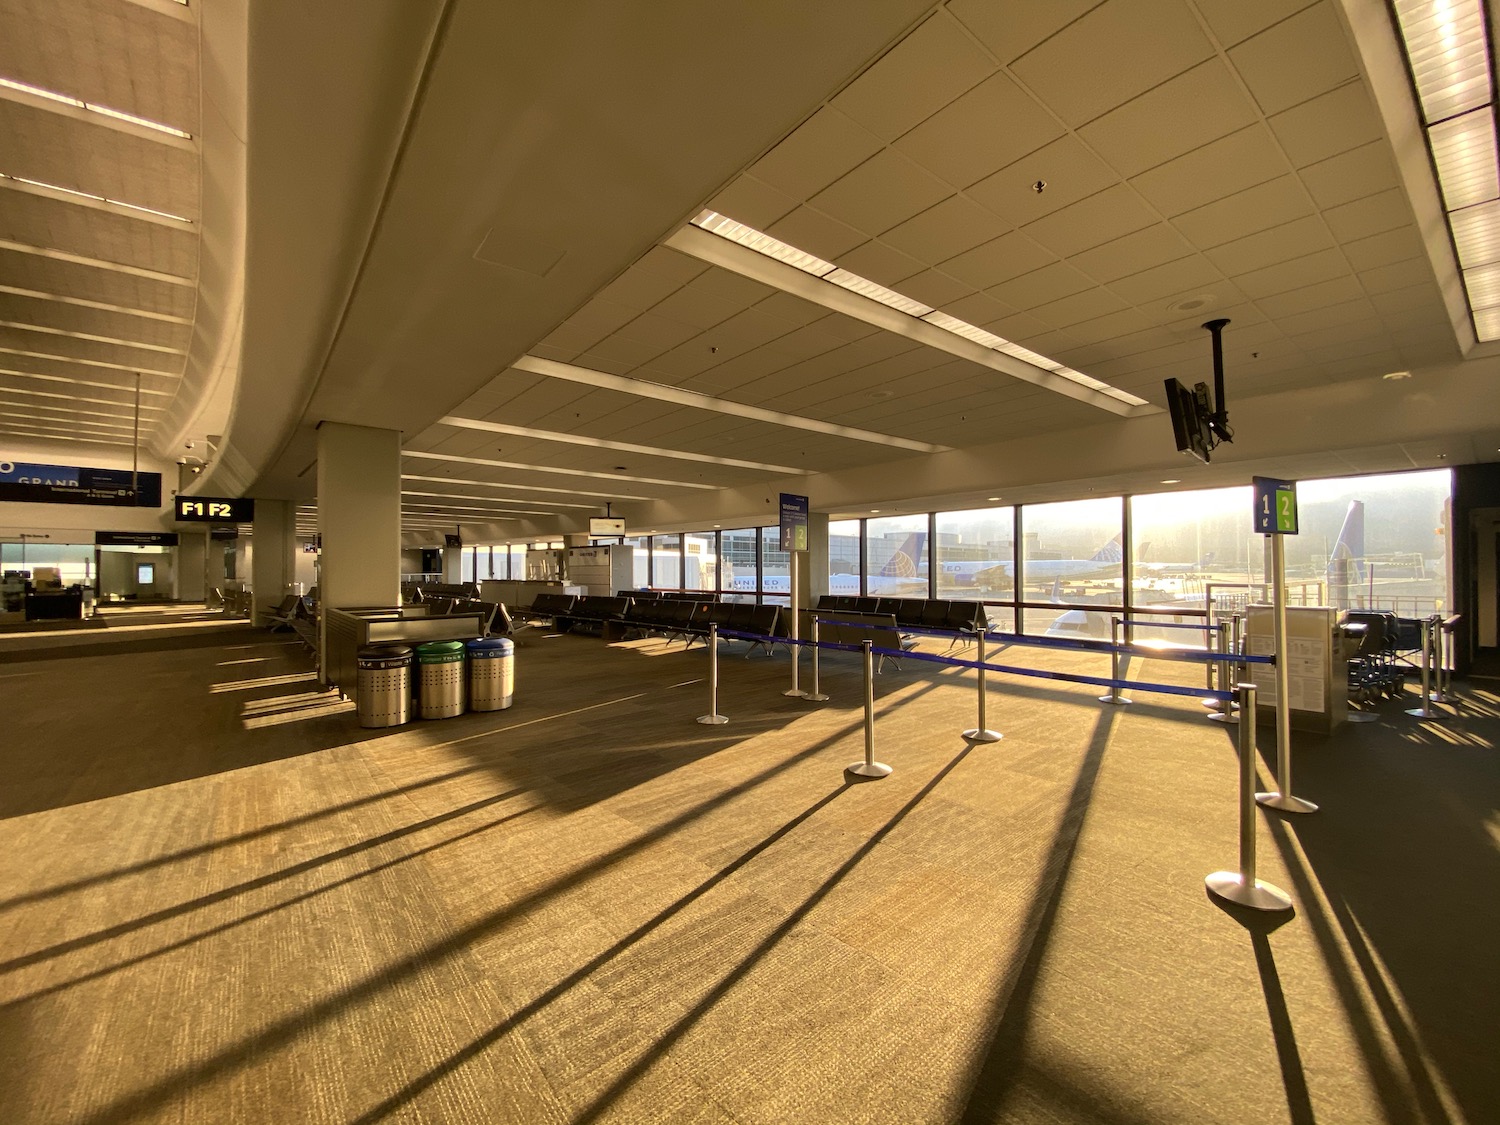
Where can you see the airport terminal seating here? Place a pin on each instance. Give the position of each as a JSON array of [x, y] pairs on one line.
[[955, 616], [283, 615], [547, 607], [852, 627], [689, 615], [595, 613]]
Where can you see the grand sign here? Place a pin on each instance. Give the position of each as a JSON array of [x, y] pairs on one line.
[[26, 483]]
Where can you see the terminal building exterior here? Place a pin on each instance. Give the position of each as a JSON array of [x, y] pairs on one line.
[[436, 282]]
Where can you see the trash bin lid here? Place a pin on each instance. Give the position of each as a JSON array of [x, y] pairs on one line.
[[490, 647], [385, 652], [440, 652]]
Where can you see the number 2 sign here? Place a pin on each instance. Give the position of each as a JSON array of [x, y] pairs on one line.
[[1275, 506]]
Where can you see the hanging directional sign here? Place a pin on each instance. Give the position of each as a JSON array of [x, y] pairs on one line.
[[214, 509], [1275, 506]]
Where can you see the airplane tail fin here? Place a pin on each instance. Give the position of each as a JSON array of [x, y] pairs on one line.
[[1349, 548], [1109, 553], [907, 560]]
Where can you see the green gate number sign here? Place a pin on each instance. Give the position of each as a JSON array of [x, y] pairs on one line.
[[1275, 506]]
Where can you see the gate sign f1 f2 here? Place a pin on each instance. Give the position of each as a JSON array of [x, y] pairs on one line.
[[1275, 506], [214, 509]]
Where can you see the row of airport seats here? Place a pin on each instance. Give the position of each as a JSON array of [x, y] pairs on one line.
[[954, 616], [494, 617], [686, 615]]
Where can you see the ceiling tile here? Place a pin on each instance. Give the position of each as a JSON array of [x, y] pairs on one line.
[[637, 289], [1010, 28], [1068, 170], [694, 307], [793, 310], [993, 125], [976, 308], [1317, 296], [1079, 307], [1259, 208], [1267, 247], [1141, 250], [1184, 275], [1235, 20], [1325, 265], [1222, 168], [1382, 249], [885, 190], [1186, 113], [1320, 320], [817, 234], [730, 286], [1373, 214], [932, 287], [1351, 175], [1397, 275], [998, 260], [1124, 47], [940, 232], [752, 202], [914, 79], [1297, 59], [1423, 298], [1327, 125], [1050, 283], [819, 151], [881, 263], [1110, 214]]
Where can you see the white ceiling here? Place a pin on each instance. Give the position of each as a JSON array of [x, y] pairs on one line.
[[467, 194]]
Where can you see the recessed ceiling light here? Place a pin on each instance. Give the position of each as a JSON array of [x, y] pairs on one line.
[[1172, 480], [1192, 304], [77, 103], [874, 511], [992, 499], [1397, 375], [881, 394]]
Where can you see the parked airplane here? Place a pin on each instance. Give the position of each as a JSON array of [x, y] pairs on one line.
[[1346, 562]]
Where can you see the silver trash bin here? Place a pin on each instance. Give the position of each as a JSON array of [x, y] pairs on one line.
[[440, 681], [492, 675], [383, 692]]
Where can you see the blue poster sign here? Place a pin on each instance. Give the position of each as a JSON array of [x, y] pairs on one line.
[[794, 511], [1275, 506], [28, 483]]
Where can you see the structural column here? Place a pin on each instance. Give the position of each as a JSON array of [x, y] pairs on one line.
[[815, 566], [272, 562], [359, 519]]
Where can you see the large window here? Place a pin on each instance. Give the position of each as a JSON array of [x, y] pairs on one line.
[[775, 567], [700, 562], [896, 556], [666, 562], [1192, 553], [738, 569], [975, 554], [641, 572], [74, 562], [1071, 556], [843, 557]]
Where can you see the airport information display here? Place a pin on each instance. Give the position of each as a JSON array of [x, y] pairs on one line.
[[1275, 506], [794, 511], [25, 483], [214, 509]]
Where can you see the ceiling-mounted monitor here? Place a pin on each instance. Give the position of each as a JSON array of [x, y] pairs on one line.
[[604, 526], [1190, 419]]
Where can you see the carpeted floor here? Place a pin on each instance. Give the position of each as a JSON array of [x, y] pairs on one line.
[[222, 901]]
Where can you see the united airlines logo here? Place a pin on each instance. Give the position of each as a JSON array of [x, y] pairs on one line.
[[1110, 552], [901, 565]]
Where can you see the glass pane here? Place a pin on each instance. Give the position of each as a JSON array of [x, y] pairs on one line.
[[666, 562], [843, 557], [700, 565], [975, 554], [776, 567], [1375, 542], [517, 568], [466, 564], [737, 563], [1071, 556], [641, 575], [896, 557], [1188, 548]]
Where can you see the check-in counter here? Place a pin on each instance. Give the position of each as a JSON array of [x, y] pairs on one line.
[[352, 628]]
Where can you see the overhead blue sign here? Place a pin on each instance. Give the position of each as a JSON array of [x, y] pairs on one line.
[[794, 511], [27, 483], [1275, 506]]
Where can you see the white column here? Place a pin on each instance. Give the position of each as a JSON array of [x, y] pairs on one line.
[[359, 515], [815, 566], [271, 563], [453, 565], [191, 547]]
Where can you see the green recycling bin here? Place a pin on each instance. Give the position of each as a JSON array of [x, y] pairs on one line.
[[440, 685]]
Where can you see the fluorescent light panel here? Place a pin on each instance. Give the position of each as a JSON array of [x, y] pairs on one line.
[[716, 223], [96, 198], [621, 446], [496, 499], [85, 383], [519, 487], [555, 469], [662, 393], [77, 103], [1463, 148], [21, 327], [1449, 62], [37, 295], [93, 363]]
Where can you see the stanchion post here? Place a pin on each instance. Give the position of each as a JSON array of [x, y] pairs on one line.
[[1224, 709], [1444, 661], [794, 570], [981, 731], [1282, 799], [1425, 711], [816, 695], [1114, 695], [869, 767], [713, 718], [1242, 886]]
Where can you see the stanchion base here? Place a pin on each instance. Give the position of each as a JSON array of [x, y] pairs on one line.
[[795, 693], [1428, 713], [977, 735], [1444, 697], [1285, 804], [1231, 885], [1362, 717], [814, 696], [1118, 701], [1222, 717], [713, 720], [869, 769]]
